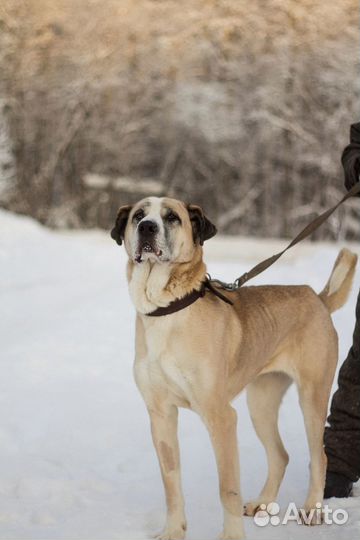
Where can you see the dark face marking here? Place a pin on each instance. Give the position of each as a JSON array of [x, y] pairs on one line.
[[171, 219], [140, 212], [138, 215]]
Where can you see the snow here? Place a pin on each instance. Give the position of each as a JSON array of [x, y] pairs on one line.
[[77, 461]]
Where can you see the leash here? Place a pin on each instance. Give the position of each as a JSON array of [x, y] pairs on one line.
[[209, 283], [309, 229]]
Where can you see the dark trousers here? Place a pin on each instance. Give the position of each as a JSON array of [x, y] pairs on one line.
[[342, 436]]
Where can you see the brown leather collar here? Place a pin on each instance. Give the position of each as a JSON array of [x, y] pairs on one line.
[[189, 299]]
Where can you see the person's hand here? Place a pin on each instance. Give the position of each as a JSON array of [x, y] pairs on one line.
[[351, 157], [352, 169]]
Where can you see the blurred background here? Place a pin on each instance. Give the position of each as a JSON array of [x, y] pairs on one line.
[[241, 107]]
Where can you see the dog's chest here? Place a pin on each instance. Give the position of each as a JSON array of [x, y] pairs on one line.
[[162, 366]]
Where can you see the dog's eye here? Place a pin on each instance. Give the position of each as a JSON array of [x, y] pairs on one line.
[[172, 217], [139, 215]]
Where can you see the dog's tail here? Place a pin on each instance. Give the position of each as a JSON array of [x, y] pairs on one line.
[[338, 287]]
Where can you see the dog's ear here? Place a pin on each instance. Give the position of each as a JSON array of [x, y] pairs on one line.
[[202, 227], [118, 231]]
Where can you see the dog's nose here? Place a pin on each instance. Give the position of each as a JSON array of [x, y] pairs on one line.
[[148, 228]]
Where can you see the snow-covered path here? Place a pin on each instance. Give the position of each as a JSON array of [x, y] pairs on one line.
[[76, 458]]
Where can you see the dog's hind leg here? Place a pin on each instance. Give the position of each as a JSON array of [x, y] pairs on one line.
[[221, 424], [313, 401], [264, 397]]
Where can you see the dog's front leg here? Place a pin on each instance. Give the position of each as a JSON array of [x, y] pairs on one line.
[[221, 425], [164, 433]]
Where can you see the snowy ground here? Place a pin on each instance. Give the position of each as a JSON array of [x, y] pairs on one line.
[[77, 462]]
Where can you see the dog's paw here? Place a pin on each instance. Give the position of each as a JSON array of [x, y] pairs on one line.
[[173, 532], [311, 515], [233, 528], [252, 507], [234, 534]]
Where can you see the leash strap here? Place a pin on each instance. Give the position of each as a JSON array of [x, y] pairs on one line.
[[216, 292], [310, 228]]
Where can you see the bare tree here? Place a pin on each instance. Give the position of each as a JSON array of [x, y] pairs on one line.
[[241, 107]]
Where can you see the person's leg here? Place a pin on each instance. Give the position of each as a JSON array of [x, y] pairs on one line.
[[342, 436]]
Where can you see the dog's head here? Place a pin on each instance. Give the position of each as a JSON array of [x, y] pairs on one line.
[[161, 230]]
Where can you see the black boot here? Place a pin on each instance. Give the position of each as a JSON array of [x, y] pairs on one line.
[[337, 485]]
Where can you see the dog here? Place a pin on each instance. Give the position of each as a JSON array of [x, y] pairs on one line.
[[198, 349]]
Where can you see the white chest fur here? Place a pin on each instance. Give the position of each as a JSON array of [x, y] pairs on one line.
[[147, 284], [162, 369]]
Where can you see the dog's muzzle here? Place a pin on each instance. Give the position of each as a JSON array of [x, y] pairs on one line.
[[147, 231]]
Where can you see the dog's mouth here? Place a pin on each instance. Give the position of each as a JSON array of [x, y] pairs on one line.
[[146, 248]]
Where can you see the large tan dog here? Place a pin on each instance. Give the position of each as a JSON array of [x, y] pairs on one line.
[[202, 356]]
